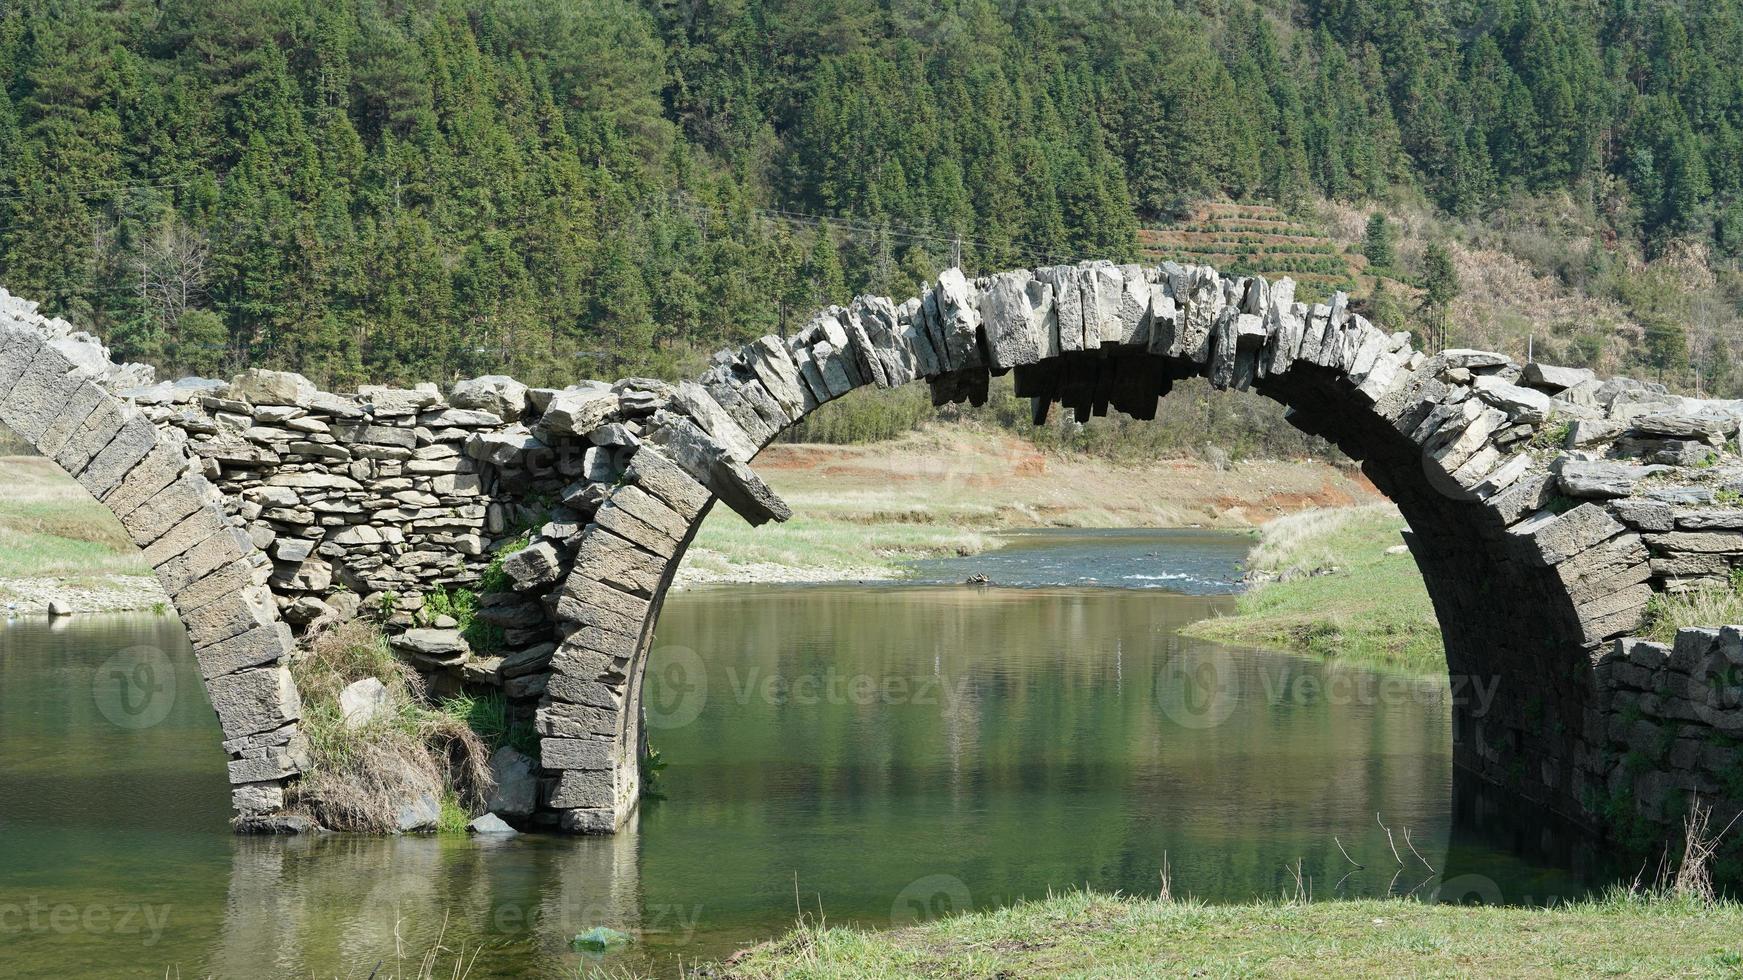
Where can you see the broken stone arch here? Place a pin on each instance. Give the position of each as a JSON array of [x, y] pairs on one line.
[[1546, 509], [212, 573]]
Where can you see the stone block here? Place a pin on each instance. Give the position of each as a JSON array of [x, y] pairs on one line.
[[577, 753], [619, 563], [584, 691], [572, 610], [167, 508], [1556, 538], [695, 401], [230, 615], [85, 400], [619, 522], [227, 579], [583, 788], [18, 350], [262, 387], [178, 574], [655, 473], [563, 720], [136, 438], [36, 399], [257, 700], [257, 798]]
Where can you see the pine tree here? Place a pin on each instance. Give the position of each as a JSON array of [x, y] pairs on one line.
[[1377, 243]]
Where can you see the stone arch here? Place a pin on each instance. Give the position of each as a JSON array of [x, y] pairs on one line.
[[214, 576], [1536, 560]]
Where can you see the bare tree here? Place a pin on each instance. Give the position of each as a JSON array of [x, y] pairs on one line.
[[171, 271]]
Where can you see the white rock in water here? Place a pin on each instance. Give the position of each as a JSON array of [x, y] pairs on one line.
[[363, 702], [58, 608]]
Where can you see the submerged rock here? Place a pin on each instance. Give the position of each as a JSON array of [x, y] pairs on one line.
[[491, 825]]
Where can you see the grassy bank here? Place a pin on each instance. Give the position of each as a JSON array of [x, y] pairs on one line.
[[1336, 583], [50, 527], [1102, 936], [57, 542], [863, 511]]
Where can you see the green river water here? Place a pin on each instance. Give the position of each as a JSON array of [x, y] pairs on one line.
[[882, 753]]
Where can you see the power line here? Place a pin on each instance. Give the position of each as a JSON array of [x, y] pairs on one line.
[[106, 187]]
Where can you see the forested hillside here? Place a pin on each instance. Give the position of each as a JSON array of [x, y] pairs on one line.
[[365, 190]]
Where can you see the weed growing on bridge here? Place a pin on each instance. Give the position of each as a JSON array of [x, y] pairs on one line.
[[360, 776], [462, 605], [494, 578], [1668, 612]]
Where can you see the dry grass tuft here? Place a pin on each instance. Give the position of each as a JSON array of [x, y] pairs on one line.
[[360, 777]]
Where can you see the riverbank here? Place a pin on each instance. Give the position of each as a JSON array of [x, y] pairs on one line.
[[862, 512], [57, 543], [1097, 935], [1336, 583]]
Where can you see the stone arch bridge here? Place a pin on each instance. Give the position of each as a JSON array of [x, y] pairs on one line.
[[1547, 508]]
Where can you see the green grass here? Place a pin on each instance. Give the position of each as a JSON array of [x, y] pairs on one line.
[[358, 777], [1088, 935], [51, 528], [1339, 594], [1712, 606]]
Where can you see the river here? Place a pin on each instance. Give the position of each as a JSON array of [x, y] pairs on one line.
[[875, 754]]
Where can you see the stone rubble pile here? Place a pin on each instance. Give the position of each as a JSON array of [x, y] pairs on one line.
[[77, 346]]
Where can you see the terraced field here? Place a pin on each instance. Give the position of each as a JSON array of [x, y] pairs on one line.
[[1248, 239]]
